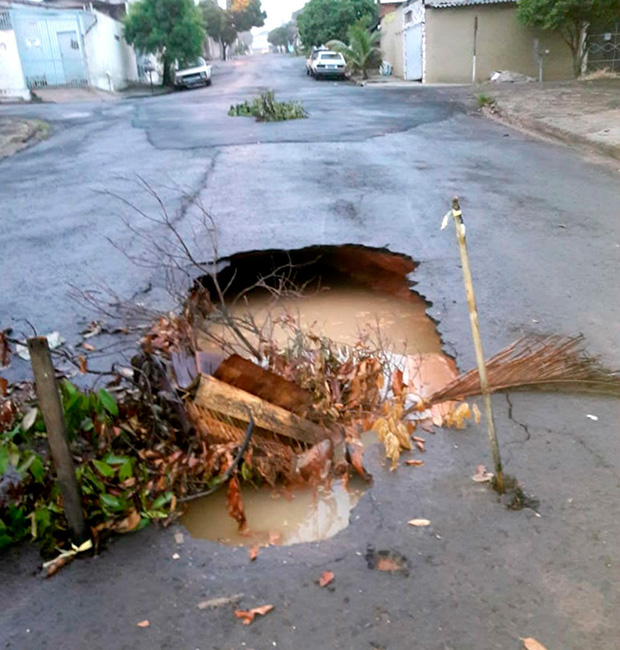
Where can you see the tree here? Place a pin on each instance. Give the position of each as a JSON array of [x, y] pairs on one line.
[[171, 29], [362, 53], [218, 24], [282, 36], [321, 21], [246, 14], [223, 25], [571, 18]]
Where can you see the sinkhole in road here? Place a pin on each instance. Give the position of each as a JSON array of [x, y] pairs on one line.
[[349, 294]]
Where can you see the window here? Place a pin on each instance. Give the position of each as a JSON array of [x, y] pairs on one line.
[[409, 17]]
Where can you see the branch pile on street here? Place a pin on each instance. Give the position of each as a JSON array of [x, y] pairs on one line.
[[265, 108]]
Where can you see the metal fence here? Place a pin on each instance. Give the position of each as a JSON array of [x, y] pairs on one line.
[[5, 20], [50, 48], [604, 49]]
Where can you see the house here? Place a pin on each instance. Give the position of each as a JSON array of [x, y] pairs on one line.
[[465, 41], [70, 46]]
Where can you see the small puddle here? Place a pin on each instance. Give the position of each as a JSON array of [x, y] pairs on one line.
[[349, 292], [302, 515]]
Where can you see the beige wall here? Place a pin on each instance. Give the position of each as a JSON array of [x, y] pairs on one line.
[[503, 44], [392, 41]]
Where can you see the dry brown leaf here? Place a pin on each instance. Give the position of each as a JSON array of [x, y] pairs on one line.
[[144, 623], [481, 475], [89, 347], [131, 522], [476, 411], [82, 363], [326, 578], [253, 552], [397, 382], [415, 462], [456, 418], [4, 386], [247, 616], [392, 449], [420, 446], [234, 504], [419, 523], [531, 644]]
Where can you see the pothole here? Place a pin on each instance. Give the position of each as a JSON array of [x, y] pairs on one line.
[[351, 295]]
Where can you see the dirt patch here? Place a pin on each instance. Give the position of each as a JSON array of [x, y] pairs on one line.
[[17, 134]]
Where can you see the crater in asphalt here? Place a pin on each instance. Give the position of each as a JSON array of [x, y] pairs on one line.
[[348, 294]]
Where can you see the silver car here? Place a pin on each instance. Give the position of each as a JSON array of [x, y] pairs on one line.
[[198, 73]]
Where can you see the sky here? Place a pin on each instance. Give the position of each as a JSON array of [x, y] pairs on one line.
[[279, 11]]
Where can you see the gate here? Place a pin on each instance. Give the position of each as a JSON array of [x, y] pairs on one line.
[[50, 48], [604, 49], [413, 53]]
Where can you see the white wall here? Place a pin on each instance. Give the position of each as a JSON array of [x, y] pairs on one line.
[[110, 61], [12, 84]]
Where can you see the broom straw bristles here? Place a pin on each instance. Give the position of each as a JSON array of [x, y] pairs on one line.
[[550, 362]]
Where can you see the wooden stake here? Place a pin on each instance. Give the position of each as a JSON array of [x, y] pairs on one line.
[[51, 408], [475, 329]]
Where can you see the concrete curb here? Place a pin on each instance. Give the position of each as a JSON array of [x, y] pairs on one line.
[[499, 113]]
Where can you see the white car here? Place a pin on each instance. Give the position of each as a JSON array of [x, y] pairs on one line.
[[326, 64], [198, 73]]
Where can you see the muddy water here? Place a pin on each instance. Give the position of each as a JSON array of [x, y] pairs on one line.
[[343, 312], [276, 517], [346, 312]]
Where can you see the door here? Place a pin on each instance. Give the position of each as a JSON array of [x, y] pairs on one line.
[[413, 53], [71, 57]]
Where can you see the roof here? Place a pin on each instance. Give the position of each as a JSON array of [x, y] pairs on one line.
[[445, 4]]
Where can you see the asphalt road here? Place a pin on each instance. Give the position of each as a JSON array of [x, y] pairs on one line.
[[377, 167]]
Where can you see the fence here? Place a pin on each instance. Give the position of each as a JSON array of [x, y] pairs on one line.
[[604, 49]]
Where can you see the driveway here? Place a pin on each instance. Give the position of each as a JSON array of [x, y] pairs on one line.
[[378, 167]]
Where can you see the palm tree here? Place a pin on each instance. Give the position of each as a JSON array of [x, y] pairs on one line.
[[362, 53]]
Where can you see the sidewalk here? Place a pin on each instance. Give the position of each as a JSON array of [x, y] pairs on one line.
[[68, 95], [577, 112]]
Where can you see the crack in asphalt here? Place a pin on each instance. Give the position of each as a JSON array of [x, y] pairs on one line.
[[511, 417], [600, 460]]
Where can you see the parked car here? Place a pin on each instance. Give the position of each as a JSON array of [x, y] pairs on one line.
[[315, 52], [324, 64], [198, 73]]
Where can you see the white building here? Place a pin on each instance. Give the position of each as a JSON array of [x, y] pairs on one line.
[[41, 47]]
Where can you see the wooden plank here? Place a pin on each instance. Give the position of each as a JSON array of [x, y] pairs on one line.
[[51, 408], [246, 375], [234, 402]]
